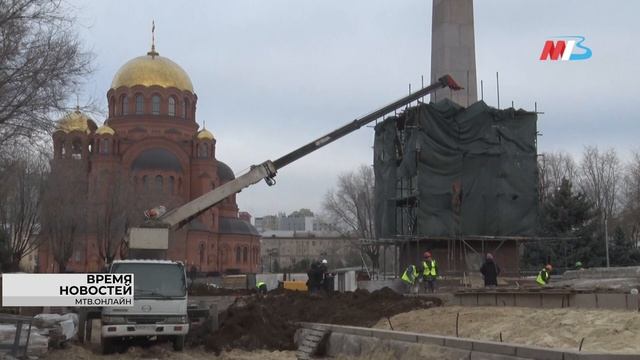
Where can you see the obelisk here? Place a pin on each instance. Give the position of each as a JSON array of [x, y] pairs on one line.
[[453, 49]]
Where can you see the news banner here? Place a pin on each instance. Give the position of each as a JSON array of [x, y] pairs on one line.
[[67, 289]]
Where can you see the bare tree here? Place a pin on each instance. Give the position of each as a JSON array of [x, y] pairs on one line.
[[553, 167], [351, 207], [41, 65], [21, 185], [64, 210], [600, 179], [113, 213], [631, 200]]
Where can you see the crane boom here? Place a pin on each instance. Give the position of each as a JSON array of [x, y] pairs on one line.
[[267, 171]]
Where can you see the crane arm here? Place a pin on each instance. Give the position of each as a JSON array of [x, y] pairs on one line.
[[268, 169]]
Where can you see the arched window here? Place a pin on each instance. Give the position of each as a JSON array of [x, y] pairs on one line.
[[124, 105], [159, 183], [145, 183], [139, 104], [76, 149], [104, 146], [171, 184], [186, 111], [238, 258], [203, 150], [245, 255], [172, 106], [112, 106], [155, 104]]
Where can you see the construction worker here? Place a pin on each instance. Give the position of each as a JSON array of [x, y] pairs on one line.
[[261, 287], [544, 275], [429, 272], [409, 277], [490, 271], [579, 265]]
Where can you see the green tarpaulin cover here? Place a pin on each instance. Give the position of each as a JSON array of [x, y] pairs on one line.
[[462, 171]]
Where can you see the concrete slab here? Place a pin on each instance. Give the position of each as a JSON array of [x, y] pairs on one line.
[[487, 299], [476, 355], [395, 335], [612, 301], [585, 301], [552, 301], [431, 339], [505, 300], [493, 347], [528, 300], [633, 302], [458, 343], [468, 299], [533, 352]]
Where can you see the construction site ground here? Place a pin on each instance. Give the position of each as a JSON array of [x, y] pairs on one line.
[[602, 330], [263, 327]]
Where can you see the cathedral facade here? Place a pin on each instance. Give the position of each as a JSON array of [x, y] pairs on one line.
[[151, 139]]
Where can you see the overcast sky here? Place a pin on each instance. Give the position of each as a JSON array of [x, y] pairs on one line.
[[273, 75]]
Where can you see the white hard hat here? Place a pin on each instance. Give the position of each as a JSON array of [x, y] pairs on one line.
[[324, 261]]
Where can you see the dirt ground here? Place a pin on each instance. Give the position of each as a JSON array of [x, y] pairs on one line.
[[254, 322], [602, 330], [164, 351]]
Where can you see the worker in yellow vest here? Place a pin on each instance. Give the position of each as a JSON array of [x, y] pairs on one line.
[[544, 275], [409, 278], [429, 272]]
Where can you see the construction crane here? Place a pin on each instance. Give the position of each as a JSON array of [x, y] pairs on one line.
[[154, 234]]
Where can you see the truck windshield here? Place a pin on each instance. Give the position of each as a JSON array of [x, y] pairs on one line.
[[155, 280]]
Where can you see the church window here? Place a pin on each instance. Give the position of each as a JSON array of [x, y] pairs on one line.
[[104, 146], [245, 255], [185, 109], [124, 105], [238, 255], [171, 184], [139, 104], [112, 106], [145, 183], [76, 149], [203, 150], [159, 183], [172, 106], [155, 105]]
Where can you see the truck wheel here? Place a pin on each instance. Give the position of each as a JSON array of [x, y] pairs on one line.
[[108, 345], [178, 343]]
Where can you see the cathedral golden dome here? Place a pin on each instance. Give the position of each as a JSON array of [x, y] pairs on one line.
[[152, 69], [205, 134], [105, 130], [76, 121]]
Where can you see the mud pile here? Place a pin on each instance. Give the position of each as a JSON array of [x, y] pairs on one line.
[[269, 322]]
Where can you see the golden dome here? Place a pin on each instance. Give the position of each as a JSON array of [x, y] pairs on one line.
[[105, 130], [152, 69], [205, 134], [76, 121]]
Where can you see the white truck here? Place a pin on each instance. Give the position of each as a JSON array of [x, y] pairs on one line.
[[160, 299], [160, 304]]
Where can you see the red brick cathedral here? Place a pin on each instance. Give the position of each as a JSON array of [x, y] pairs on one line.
[[151, 137]]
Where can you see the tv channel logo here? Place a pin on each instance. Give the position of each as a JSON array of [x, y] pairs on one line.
[[565, 48]]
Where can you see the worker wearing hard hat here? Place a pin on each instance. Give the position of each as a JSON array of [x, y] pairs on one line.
[[261, 287], [579, 265], [429, 272], [409, 278], [544, 275]]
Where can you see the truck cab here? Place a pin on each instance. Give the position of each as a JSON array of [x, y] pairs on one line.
[[159, 308]]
